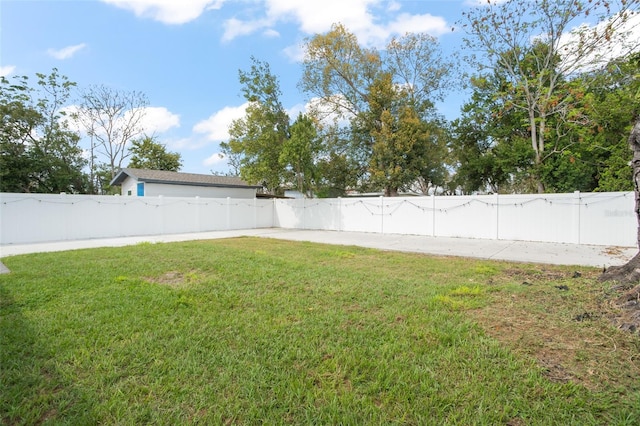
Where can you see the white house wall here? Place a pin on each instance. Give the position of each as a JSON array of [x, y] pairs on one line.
[[129, 186]]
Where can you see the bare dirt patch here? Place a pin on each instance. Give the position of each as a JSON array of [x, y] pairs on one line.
[[617, 252], [173, 278], [565, 321]]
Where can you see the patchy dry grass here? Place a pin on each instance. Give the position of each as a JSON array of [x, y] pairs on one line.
[[564, 320]]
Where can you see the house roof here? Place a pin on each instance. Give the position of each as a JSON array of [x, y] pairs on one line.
[[177, 178]]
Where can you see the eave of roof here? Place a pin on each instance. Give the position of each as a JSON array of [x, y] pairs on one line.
[[176, 178], [219, 185]]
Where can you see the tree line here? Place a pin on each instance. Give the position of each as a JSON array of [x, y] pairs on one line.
[[549, 111], [40, 148]]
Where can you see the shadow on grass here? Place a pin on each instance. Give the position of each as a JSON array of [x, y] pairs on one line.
[[32, 389]]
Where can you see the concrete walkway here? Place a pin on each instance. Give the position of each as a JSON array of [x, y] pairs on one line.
[[518, 251]]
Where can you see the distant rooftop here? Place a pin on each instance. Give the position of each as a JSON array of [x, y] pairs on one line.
[[178, 178]]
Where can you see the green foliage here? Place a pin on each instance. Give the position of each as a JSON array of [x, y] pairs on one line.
[[387, 99], [146, 153], [38, 151], [299, 154], [256, 140], [338, 172], [401, 143], [491, 150], [586, 145], [616, 103], [537, 77], [616, 174]]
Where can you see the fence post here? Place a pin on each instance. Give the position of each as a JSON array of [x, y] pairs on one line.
[[197, 207], [382, 214], [497, 216], [576, 215], [255, 213], [433, 214], [162, 215], [304, 214], [273, 214], [339, 213], [68, 216]]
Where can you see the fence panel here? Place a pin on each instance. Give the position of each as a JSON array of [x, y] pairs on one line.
[[241, 213], [465, 217], [593, 218], [362, 214], [288, 213], [212, 214], [548, 217], [264, 213], [411, 216], [608, 219], [321, 214]]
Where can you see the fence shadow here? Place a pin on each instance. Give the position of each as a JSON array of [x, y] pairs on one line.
[[32, 389]]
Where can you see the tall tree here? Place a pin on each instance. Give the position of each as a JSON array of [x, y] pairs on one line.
[[147, 153], [38, 150], [493, 149], [476, 139], [615, 99], [387, 96], [112, 119], [401, 142], [339, 71], [299, 153], [339, 168], [538, 44], [256, 140]]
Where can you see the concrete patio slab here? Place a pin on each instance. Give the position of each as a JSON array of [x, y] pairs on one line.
[[518, 251]]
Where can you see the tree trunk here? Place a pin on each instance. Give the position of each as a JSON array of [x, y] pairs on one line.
[[627, 277], [390, 191], [630, 273], [537, 143]]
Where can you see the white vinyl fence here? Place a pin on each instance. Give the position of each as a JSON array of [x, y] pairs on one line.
[[577, 218], [30, 218]]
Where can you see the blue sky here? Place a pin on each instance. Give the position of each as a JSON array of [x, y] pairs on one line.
[[185, 54]]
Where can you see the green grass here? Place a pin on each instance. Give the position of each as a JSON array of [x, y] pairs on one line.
[[257, 331]]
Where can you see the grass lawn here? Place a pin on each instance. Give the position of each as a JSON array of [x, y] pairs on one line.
[[252, 331]]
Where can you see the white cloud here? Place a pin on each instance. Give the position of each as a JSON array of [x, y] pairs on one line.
[[235, 28], [314, 17], [217, 125], [168, 11], [66, 52], [295, 52], [295, 110], [215, 159], [7, 70], [154, 120], [271, 33], [394, 6], [405, 23], [159, 120], [333, 113], [318, 16], [483, 2], [625, 40], [182, 143]]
